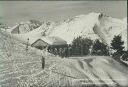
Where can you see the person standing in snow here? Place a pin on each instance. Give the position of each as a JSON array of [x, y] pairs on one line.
[[43, 62], [27, 44]]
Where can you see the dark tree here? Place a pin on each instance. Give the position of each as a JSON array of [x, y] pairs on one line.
[[117, 44], [76, 46], [81, 46], [100, 48]]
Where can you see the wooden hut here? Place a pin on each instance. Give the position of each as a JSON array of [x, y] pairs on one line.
[[49, 42]]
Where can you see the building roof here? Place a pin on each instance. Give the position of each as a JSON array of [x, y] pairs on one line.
[[52, 40]]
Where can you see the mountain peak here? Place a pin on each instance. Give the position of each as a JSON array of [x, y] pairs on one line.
[[91, 16], [93, 26]]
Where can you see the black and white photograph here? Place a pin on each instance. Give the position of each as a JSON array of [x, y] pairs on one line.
[[61, 43]]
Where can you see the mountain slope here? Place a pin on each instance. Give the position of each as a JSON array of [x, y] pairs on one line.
[[35, 34], [78, 26], [93, 71], [21, 68], [24, 27], [17, 64], [93, 25]]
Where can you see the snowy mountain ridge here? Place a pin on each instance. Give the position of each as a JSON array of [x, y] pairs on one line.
[[93, 26], [28, 26]]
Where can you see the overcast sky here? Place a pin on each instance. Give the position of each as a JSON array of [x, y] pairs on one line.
[[12, 12]]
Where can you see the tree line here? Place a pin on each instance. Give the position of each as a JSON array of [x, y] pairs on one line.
[[85, 46]]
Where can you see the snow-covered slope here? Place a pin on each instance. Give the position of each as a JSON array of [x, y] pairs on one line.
[[89, 71], [24, 27], [21, 68], [37, 33], [17, 64], [81, 25], [93, 25]]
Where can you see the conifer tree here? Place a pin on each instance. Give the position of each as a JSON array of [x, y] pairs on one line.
[[81, 46], [100, 48], [117, 44]]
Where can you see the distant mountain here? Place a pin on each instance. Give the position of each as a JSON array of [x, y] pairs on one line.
[[24, 27], [93, 26], [34, 34]]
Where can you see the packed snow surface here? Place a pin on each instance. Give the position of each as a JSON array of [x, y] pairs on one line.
[[21, 68]]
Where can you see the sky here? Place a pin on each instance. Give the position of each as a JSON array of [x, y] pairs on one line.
[[12, 12]]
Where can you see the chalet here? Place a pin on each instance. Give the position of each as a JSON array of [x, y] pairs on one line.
[[49, 42]]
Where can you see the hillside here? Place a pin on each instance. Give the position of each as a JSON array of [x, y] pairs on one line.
[[21, 68], [34, 34], [89, 71], [17, 64]]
